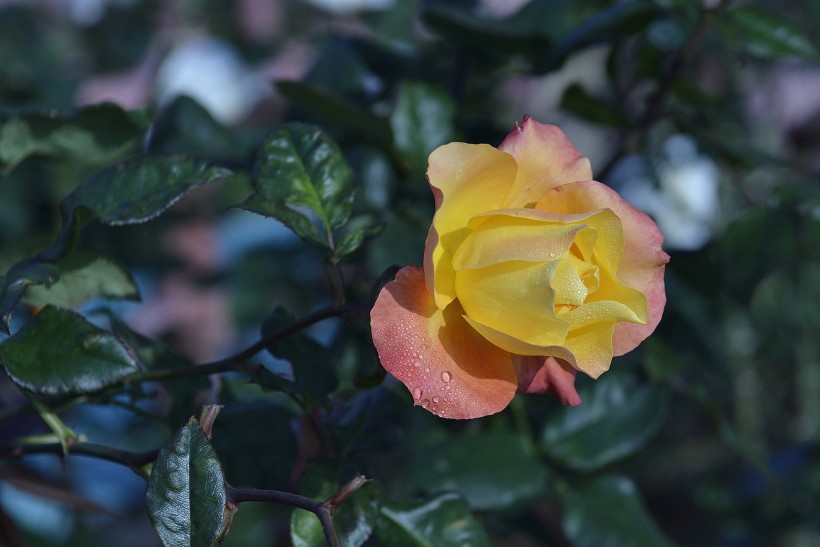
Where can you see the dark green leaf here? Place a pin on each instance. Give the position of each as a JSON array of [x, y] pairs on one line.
[[185, 127], [587, 107], [301, 224], [353, 239], [140, 188], [421, 121], [256, 445], [444, 521], [616, 21], [607, 512], [490, 35], [354, 520], [17, 281], [313, 366], [186, 490], [85, 275], [333, 109], [470, 466], [617, 417], [764, 34], [94, 135], [59, 352], [303, 177]]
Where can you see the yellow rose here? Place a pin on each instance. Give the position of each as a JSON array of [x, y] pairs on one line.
[[531, 271]]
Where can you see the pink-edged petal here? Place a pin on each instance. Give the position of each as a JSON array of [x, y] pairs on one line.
[[546, 159], [547, 375], [644, 261], [467, 179], [449, 369]]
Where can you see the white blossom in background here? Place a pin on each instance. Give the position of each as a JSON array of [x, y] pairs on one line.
[[210, 72], [342, 7], [685, 205]]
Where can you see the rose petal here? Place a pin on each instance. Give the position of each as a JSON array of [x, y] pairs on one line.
[[547, 375], [643, 262], [546, 158], [448, 367], [467, 179]]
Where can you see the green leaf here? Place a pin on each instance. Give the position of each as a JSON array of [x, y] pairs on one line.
[[17, 281], [96, 134], [85, 275], [470, 466], [185, 127], [301, 175], [353, 239], [354, 520], [334, 109], [313, 365], [485, 34], [614, 22], [301, 224], [443, 521], [140, 188], [421, 121], [617, 418], [186, 490], [608, 511], [764, 35], [577, 101], [59, 352]]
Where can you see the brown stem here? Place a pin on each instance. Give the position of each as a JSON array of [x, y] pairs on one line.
[[130, 459]]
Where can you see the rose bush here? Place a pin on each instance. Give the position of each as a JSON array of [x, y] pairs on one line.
[[532, 271]]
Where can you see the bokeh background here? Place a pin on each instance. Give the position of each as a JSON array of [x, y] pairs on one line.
[[704, 114]]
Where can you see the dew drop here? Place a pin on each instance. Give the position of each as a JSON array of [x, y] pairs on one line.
[[447, 387], [416, 393], [552, 255], [426, 369], [416, 364], [446, 376], [425, 403], [436, 399]]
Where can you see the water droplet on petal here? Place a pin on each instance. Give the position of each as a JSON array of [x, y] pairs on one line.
[[436, 399], [416, 393], [426, 369], [446, 376], [416, 364], [552, 255], [425, 403]]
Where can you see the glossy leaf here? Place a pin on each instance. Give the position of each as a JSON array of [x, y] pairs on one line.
[[303, 177], [444, 521], [608, 511], [617, 418], [421, 121], [140, 188], [354, 520], [59, 352], [85, 275], [470, 465], [17, 281], [186, 490], [577, 101], [764, 34], [94, 135]]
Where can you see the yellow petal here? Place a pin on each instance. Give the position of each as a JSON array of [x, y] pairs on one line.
[[467, 180]]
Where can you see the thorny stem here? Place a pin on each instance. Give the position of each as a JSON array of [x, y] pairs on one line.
[[129, 459], [324, 510], [657, 99]]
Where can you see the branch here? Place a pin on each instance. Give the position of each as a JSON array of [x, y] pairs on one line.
[[657, 99], [239, 361], [134, 460], [324, 510]]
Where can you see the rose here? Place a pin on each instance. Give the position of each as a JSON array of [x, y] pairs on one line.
[[531, 271]]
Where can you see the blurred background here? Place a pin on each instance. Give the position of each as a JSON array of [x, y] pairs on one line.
[[706, 115]]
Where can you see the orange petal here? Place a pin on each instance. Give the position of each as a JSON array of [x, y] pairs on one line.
[[546, 158], [448, 367], [467, 179], [547, 375], [644, 261]]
